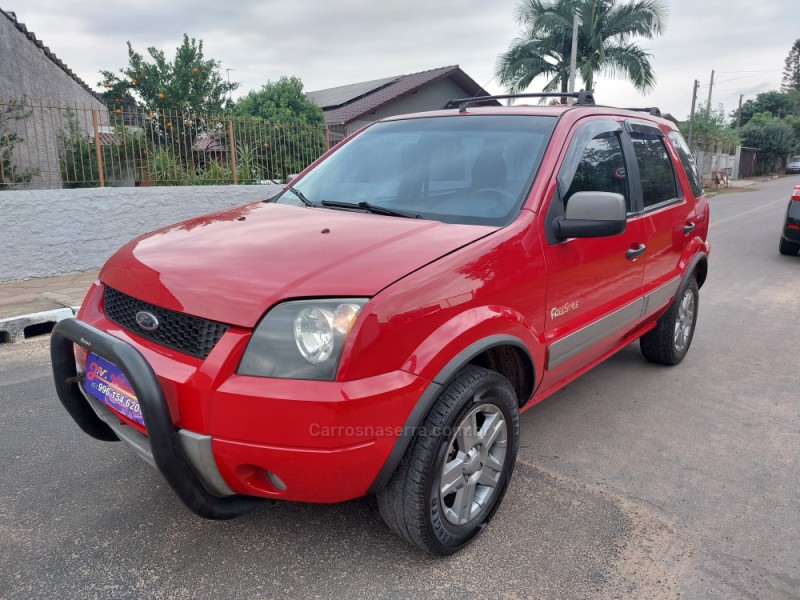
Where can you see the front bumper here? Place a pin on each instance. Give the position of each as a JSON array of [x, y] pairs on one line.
[[224, 436], [196, 447], [162, 443]]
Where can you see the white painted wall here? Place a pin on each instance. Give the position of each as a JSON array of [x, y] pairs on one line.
[[52, 232]]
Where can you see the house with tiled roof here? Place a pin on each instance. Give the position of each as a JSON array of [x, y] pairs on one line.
[[352, 106]]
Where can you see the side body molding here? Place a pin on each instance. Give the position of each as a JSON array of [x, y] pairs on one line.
[[573, 344]]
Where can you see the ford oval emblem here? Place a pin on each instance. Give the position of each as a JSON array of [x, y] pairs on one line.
[[147, 320]]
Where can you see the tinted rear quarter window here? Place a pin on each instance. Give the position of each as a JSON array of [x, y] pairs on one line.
[[655, 169], [687, 161]]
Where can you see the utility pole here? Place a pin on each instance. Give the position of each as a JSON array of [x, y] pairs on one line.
[[710, 87], [739, 113], [691, 114], [230, 99], [573, 61]]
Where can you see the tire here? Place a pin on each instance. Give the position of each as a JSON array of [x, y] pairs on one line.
[[669, 341], [789, 248], [414, 503]]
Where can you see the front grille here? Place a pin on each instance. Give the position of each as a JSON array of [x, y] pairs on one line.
[[187, 334]]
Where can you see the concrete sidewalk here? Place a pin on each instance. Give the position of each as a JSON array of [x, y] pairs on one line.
[[31, 307]]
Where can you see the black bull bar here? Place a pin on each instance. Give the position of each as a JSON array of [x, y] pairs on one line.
[[168, 455]]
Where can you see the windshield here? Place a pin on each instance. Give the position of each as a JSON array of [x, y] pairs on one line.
[[459, 169]]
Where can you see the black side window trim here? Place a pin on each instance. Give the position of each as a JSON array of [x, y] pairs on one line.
[[634, 127], [632, 168], [660, 205]]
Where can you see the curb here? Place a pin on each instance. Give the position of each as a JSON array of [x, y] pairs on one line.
[[12, 329]]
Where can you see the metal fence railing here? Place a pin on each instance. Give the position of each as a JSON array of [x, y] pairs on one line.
[[48, 146]]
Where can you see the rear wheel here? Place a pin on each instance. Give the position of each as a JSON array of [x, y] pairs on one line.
[[669, 341], [789, 248], [456, 471]]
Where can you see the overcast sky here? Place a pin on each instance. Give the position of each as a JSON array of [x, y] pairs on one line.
[[336, 42]]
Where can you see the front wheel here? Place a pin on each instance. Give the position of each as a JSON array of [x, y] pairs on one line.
[[668, 342], [456, 471]]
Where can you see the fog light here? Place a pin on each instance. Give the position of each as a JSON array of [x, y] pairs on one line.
[[275, 481]]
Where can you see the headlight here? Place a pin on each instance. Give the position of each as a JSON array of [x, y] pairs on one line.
[[301, 339]]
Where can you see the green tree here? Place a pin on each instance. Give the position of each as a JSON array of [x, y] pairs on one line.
[[791, 70], [794, 123], [778, 104], [281, 101], [605, 34], [710, 130], [176, 98], [190, 83], [281, 131], [11, 174], [774, 139]]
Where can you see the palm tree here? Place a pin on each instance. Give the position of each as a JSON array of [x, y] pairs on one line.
[[604, 42]]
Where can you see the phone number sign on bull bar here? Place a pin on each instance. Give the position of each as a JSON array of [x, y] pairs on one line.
[[106, 382]]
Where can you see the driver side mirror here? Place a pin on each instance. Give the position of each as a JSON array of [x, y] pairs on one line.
[[592, 214]]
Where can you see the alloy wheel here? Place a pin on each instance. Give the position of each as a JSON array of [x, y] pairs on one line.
[[474, 463], [685, 321]]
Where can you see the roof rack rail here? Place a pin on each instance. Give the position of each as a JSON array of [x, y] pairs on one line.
[[652, 110], [583, 98]]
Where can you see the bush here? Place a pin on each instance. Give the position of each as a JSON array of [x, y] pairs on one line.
[[9, 173], [164, 167]]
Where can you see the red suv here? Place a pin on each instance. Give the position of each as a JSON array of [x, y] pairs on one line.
[[379, 326]]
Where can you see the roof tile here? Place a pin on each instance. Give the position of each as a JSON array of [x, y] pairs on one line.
[[379, 95]]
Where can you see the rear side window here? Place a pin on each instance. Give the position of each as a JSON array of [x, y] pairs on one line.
[[688, 162], [655, 169], [601, 168]]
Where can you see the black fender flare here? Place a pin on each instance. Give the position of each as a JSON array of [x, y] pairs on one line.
[[697, 260], [431, 393]]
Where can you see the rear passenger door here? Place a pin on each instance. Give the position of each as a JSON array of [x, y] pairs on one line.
[[667, 212], [594, 285]]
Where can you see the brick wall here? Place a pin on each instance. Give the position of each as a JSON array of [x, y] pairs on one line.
[[27, 72]]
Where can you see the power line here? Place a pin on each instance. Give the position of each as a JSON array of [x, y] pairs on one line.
[[755, 74], [745, 77], [737, 90], [755, 71]]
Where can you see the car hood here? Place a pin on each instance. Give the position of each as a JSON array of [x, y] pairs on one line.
[[233, 265]]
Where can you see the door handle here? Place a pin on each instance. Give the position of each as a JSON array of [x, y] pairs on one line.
[[635, 253], [688, 228]]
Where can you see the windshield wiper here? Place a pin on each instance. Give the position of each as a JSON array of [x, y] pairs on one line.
[[300, 195], [369, 207]]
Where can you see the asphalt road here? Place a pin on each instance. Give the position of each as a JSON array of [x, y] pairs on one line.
[[637, 481]]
